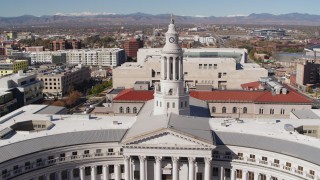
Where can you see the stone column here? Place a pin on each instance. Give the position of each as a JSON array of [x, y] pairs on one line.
[[158, 171], [244, 174], [256, 175], [105, 172], [58, 175], [222, 175], [81, 173], [233, 173], [168, 68], [181, 67], [175, 170], [117, 172], [174, 69], [191, 161], [70, 174], [46, 176], [163, 68], [93, 172], [142, 167], [207, 168], [127, 167]]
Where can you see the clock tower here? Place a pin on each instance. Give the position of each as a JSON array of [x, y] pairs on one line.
[[170, 96]]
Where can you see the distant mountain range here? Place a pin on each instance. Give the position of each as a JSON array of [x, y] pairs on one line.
[[148, 19]]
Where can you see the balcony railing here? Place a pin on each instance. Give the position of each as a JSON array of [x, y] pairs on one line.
[[275, 164], [298, 172], [287, 168], [251, 159], [263, 162]]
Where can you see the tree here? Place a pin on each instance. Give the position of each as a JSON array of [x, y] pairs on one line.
[[73, 98], [59, 103]]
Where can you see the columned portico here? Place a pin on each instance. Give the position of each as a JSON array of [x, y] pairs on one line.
[[191, 161], [158, 170]]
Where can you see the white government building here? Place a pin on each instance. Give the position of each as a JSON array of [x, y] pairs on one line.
[[172, 137], [220, 68]]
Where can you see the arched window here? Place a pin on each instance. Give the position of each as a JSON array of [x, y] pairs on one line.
[[224, 110], [168, 105], [282, 111], [245, 110], [261, 111], [213, 109], [271, 111], [234, 110], [173, 105], [128, 110], [135, 110], [121, 109]]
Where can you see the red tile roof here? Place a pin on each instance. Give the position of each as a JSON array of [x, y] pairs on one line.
[[251, 85], [132, 95], [229, 96], [222, 96], [250, 96], [291, 97]]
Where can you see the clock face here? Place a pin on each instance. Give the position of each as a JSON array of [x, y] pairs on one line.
[[171, 39]]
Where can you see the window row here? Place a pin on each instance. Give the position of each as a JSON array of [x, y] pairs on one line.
[[272, 111], [128, 110], [173, 104], [234, 110], [208, 66]]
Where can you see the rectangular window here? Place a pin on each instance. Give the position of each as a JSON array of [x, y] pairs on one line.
[[276, 161], [252, 156], [86, 151], [219, 75], [300, 168], [205, 66], [215, 66], [288, 164], [264, 158], [311, 172], [210, 66], [200, 66]]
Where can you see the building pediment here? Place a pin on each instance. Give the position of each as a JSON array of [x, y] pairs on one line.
[[167, 138]]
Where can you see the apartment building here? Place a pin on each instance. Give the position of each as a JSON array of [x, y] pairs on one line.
[[57, 82], [9, 66]]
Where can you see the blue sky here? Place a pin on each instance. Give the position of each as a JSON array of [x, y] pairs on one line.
[[179, 7]]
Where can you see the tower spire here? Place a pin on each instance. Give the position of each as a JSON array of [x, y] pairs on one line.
[[172, 19], [170, 95]]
